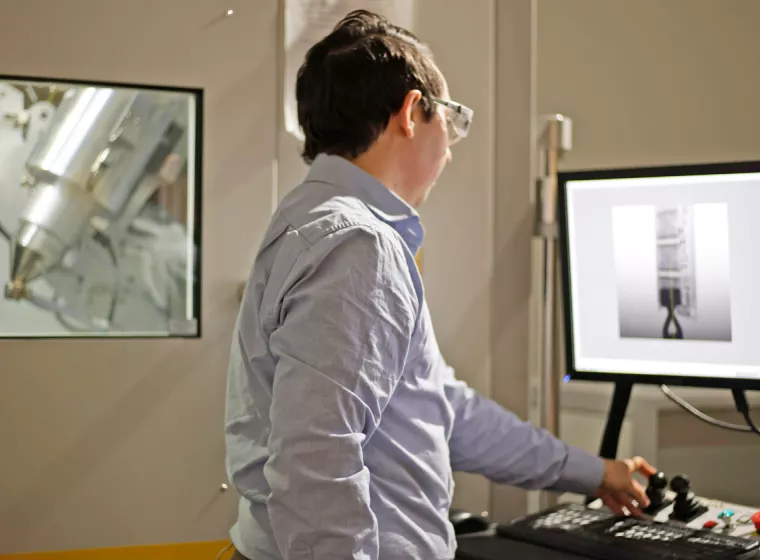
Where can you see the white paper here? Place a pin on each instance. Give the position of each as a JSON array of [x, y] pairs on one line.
[[309, 21]]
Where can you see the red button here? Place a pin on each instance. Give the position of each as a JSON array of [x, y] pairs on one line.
[[710, 524], [756, 520]]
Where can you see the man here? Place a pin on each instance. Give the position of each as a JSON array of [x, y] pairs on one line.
[[344, 422]]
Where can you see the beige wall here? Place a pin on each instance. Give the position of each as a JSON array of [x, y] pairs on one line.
[[512, 293], [652, 82], [109, 443]]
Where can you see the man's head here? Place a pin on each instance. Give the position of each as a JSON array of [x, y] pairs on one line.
[[370, 92]]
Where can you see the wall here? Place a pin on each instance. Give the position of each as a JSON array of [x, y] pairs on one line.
[[648, 83], [113, 443], [651, 82], [513, 295]]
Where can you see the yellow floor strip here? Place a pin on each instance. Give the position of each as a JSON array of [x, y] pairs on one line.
[[185, 551]]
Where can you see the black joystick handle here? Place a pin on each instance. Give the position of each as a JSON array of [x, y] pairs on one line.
[[680, 484], [658, 483], [686, 506]]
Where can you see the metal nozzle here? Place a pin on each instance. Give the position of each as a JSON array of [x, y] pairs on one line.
[[16, 290], [34, 252], [60, 168], [52, 223]]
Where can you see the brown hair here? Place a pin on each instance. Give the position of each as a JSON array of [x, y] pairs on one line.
[[355, 79]]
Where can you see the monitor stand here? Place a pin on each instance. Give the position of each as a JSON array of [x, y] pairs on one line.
[[615, 417]]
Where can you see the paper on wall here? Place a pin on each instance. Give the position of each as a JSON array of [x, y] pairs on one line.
[[308, 21]]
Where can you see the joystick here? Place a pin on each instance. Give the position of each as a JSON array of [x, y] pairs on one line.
[[686, 507], [658, 500]]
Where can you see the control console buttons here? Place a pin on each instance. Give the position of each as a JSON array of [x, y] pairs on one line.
[[756, 520], [726, 517]]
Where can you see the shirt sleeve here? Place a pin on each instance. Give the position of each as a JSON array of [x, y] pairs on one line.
[[341, 345], [489, 440]]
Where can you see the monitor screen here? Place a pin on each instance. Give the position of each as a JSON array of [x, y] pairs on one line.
[[99, 209], [662, 275]]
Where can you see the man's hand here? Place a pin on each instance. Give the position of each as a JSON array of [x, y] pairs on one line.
[[619, 490]]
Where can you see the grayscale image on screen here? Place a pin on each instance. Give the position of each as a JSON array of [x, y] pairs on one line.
[[673, 278], [99, 210]]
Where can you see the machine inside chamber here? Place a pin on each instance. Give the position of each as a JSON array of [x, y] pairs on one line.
[[98, 209]]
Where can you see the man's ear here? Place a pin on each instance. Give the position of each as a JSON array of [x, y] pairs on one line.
[[407, 116]]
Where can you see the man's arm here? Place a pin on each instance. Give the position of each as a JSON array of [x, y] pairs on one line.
[[344, 334], [490, 440]]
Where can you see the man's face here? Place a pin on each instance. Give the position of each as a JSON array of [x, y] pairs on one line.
[[428, 151], [421, 148]]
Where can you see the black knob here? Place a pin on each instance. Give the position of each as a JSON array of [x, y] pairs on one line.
[[658, 481], [680, 484], [686, 507]]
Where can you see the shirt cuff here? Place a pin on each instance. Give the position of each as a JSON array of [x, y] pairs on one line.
[[583, 473]]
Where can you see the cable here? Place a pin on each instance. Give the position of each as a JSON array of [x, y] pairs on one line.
[[108, 245], [5, 233], [223, 551], [701, 415], [105, 242], [743, 407]]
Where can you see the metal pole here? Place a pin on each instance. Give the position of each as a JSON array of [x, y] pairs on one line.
[[555, 140]]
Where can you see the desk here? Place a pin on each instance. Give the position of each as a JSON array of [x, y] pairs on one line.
[[496, 548]]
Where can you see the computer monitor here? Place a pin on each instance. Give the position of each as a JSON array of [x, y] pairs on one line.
[[661, 274]]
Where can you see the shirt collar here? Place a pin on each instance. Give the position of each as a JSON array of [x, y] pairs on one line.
[[381, 201]]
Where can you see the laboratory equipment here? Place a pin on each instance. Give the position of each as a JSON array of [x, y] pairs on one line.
[[100, 209], [598, 533], [649, 249], [554, 140], [675, 267], [660, 274]]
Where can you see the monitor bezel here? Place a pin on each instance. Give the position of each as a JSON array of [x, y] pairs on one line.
[[563, 178], [198, 93]]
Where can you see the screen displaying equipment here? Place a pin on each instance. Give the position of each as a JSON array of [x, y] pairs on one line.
[[99, 209], [662, 274]]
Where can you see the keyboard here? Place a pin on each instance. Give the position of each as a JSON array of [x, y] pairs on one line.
[[602, 535]]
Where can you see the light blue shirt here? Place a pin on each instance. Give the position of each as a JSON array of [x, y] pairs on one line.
[[344, 422]]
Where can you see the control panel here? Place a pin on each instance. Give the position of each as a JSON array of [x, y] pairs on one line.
[[600, 534], [674, 501]]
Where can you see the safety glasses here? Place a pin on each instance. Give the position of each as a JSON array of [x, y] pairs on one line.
[[458, 119]]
